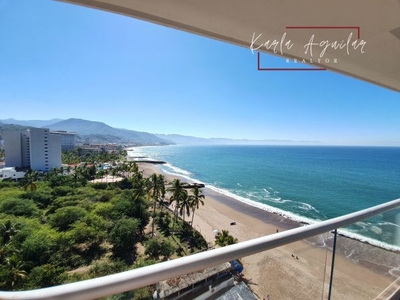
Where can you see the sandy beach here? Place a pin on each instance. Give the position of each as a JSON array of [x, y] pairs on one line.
[[295, 271]]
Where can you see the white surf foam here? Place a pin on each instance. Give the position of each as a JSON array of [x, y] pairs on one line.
[[262, 206], [389, 224], [177, 170], [364, 239]]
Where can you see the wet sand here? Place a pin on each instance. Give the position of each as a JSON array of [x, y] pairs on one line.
[[299, 270]]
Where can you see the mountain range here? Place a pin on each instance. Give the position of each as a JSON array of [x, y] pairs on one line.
[[88, 131], [191, 140], [97, 132], [30, 123]]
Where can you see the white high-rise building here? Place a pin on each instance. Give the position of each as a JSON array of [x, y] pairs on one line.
[[34, 148]]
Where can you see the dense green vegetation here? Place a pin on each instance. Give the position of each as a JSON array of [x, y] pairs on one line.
[[59, 227], [78, 155]]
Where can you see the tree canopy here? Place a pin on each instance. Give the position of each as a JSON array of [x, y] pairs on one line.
[[53, 224]]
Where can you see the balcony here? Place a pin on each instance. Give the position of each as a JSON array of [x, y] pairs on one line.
[[333, 276]]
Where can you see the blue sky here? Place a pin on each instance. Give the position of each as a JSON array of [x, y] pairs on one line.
[[64, 61]]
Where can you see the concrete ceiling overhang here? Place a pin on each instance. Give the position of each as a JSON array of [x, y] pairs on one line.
[[367, 32]]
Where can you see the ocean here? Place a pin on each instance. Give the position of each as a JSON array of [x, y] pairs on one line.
[[303, 183]]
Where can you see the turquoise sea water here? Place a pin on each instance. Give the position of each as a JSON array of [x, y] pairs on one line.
[[304, 183]]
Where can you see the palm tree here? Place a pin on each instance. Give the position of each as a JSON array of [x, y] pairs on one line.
[[161, 183], [15, 272], [133, 167], [127, 169], [225, 239], [154, 190], [5, 251], [140, 188], [29, 179], [184, 204], [136, 177], [196, 199], [7, 230], [154, 193], [177, 190]]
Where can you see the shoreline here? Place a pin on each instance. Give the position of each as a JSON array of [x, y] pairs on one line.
[[354, 257], [290, 220], [280, 219]]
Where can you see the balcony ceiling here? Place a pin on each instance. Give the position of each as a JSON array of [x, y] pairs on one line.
[[235, 21]]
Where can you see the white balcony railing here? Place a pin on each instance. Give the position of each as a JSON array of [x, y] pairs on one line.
[[131, 280]]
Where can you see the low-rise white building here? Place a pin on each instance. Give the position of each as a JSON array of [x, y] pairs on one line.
[[7, 173]]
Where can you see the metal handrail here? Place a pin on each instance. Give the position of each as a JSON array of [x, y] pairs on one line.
[[133, 279]]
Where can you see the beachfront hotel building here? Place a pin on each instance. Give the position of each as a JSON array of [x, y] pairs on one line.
[[35, 148], [68, 139]]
